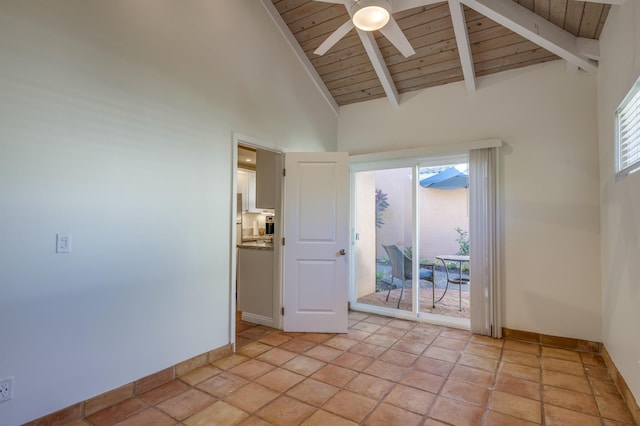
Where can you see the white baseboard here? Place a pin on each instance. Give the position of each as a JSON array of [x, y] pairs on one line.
[[257, 319]]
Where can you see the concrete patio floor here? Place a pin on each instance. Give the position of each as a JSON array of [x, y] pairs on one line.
[[448, 306]]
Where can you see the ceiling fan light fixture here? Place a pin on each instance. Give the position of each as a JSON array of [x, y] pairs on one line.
[[371, 15]]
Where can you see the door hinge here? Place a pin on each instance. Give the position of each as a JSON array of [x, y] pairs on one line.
[[282, 310], [282, 240], [284, 172]]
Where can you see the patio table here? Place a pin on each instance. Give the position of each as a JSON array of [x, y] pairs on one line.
[[459, 280]]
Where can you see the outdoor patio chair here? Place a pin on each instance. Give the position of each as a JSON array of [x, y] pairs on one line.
[[401, 269]]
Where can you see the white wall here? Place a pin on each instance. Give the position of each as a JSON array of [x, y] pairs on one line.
[[549, 181], [116, 121], [620, 198]]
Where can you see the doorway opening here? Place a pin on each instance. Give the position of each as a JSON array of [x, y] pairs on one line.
[[256, 295], [412, 240]]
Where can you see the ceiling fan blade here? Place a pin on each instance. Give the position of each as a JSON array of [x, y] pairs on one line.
[[394, 34], [334, 38]]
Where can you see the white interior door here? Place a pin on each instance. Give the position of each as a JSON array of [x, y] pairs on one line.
[[316, 224]]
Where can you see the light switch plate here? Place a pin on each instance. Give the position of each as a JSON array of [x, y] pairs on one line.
[[63, 243]]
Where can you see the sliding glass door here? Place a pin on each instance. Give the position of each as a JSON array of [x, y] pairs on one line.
[[443, 239], [384, 232], [406, 219]]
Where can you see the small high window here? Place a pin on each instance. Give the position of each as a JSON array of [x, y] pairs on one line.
[[628, 132]]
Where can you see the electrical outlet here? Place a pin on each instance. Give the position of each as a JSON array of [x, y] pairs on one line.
[[6, 389]]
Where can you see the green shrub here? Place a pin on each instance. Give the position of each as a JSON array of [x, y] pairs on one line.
[[381, 205], [463, 242]]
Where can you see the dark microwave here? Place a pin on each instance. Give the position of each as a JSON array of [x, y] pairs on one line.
[[269, 225]]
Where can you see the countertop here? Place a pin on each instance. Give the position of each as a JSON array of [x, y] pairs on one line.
[[258, 245]]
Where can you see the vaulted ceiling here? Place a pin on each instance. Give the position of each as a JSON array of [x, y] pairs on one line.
[[454, 40]]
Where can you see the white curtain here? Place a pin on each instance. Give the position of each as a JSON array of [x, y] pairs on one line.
[[484, 239]]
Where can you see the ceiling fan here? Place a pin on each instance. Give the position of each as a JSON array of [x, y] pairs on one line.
[[372, 15]]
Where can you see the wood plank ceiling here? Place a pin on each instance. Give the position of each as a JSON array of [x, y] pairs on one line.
[[347, 71]]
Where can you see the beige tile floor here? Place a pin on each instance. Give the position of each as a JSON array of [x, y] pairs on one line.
[[383, 372]]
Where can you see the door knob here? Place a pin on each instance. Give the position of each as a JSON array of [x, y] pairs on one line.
[[343, 252]]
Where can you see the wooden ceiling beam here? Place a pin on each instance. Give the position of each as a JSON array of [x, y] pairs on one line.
[[612, 2], [589, 48], [534, 28], [295, 46], [462, 40], [369, 42], [400, 5]]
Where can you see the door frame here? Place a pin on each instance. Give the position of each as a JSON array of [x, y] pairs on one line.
[[241, 139]]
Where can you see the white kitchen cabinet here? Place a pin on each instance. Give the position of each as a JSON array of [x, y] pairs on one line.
[[247, 187], [266, 179], [255, 285]]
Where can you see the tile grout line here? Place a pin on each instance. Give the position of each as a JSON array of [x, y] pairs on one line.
[[543, 419], [485, 413], [396, 383], [499, 360], [469, 340], [379, 400]]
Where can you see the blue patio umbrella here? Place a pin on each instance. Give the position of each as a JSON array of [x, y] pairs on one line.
[[450, 178]]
